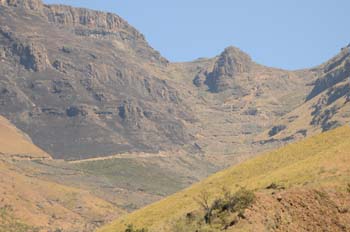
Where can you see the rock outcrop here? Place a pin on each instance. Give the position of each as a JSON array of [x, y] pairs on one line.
[[231, 63], [32, 55], [335, 71]]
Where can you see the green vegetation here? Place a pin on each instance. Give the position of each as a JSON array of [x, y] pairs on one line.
[[223, 212], [134, 175], [130, 228]]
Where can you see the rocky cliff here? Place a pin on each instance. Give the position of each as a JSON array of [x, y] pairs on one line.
[[231, 63], [78, 82], [26, 4]]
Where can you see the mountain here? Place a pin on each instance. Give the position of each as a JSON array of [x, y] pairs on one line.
[[77, 82], [300, 187], [125, 127], [84, 84]]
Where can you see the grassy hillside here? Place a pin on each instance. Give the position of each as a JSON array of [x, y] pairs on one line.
[[320, 163], [14, 142], [39, 193], [28, 201]]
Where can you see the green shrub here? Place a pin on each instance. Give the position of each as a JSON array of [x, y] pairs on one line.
[[130, 228], [241, 200], [218, 214]]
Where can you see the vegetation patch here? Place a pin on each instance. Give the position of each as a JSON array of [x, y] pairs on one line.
[[130, 228], [221, 213]]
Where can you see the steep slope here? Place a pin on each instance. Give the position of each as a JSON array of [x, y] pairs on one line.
[[14, 143], [319, 163], [326, 106], [79, 78]]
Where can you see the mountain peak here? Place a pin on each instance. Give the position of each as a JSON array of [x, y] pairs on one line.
[[28, 4], [234, 51], [232, 61]]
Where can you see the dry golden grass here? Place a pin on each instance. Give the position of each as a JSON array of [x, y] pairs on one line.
[[13, 142], [320, 161], [48, 205]]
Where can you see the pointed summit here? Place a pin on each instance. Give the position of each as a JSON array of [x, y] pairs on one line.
[[232, 61], [230, 64]]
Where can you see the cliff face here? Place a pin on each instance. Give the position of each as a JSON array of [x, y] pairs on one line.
[[27, 4], [97, 24], [78, 82], [107, 22]]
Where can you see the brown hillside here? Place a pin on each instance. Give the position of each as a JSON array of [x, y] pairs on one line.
[[13, 142]]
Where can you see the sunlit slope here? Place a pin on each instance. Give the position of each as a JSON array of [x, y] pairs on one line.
[[15, 142], [47, 205], [319, 161]]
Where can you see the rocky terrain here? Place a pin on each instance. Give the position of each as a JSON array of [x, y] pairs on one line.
[[80, 88], [326, 106], [87, 106], [84, 84]]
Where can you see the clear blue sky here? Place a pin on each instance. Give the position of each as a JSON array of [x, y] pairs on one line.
[[288, 34]]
